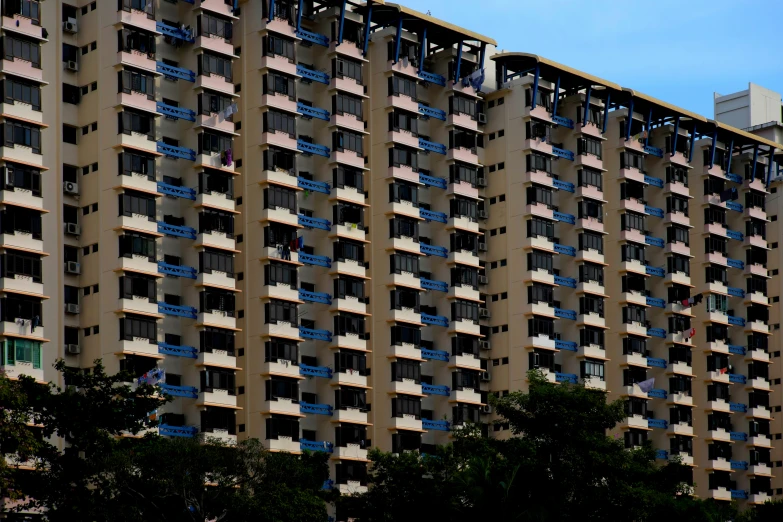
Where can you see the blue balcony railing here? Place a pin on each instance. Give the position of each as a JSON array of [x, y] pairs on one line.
[[434, 355], [734, 178], [736, 321], [569, 282], [733, 234], [735, 263], [657, 423], [166, 430], [562, 313], [566, 377], [432, 215], [432, 112], [434, 320], [316, 409], [739, 464], [315, 297], [174, 32], [315, 38], [661, 454], [657, 302], [430, 284], [565, 250], [314, 222], [734, 206], [314, 260], [735, 292], [176, 230], [569, 346], [655, 182], [437, 425], [179, 113], [657, 393], [308, 111], [187, 312], [654, 241], [736, 349], [656, 362], [435, 389], [176, 270], [738, 407], [739, 494], [317, 335], [564, 218], [189, 352], [175, 73], [737, 378], [563, 185], [177, 192], [322, 446], [431, 146], [172, 151], [433, 250], [431, 77], [314, 186], [653, 211], [563, 153], [315, 371], [653, 151], [189, 392], [568, 123], [312, 148], [656, 332], [739, 436], [312, 75], [655, 271], [432, 181]]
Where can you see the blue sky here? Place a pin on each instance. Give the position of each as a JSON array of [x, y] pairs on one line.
[[680, 51]]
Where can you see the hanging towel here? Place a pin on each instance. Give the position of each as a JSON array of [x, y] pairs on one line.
[[229, 158], [647, 385]]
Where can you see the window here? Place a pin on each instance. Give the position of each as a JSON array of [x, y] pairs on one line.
[[538, 260], [462, 139], [277, 349], [279, 273], [346, 140], [590, 177], [537, 227], [132, 327], [129, 40], [589, 146], [211, 143], [218, 379], [536, 162], [404, 227], [280, 160], [632, 221], [279, 387], [677, 204], [592, 370], [18, 219], [590, 241], [344, 68], [676, 234], [346, 250], [279, 197], [277, 46], [405, 369], [348, 214], [677, 175], [26, 265], [21, 49], [590, 273], [281, 311], [144, 6], [631, 160], [207, 25], [209, 64], [405, 335], [277, 121], [459, 172], [405, 263], [138, 286], [462, 105], [134, 244], [22, 177], [216, 339], [404, 405], [24, 135], [131, 203], [135, 81], [465, 208], [131, 121], [22, 92], [211, 261], [21, 350], [132, 163], [401, 191], [276, 83], [212, 300], [400, 156], [346, 177], [589, 208], [464, 310], [347, 104]]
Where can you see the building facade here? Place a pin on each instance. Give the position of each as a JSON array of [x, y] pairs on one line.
[[341, 225]]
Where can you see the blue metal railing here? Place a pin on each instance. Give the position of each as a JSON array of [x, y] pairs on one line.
[[657, 423], [655, 182], [432, 215], [738, 407], [430, 284], [437, 425], [314, 186], [316, 445], [317, 409], [569, 346], [172, 151], [177, 192], [735, 263], [737, 378], [177, 431], [314, 260], [175, 73], [312, 148], [434, 355], [662, 454], [653, 211], [174, 32], [315, 297], [569, 282], [189, 392], [739, 494], [434, 320], [736, 321], [563, 153], [657, 302], [309, 111], [734, 178], [432, 181], [317, 335], [314, 222], [657, 393], [179, 113], [653, 151], [568, 123], [312, 75], [562, 313], [435, 389], [176, 230], [734, 206], [431, 146], [739, 436], [316, 38], [566, 377], [736, 349], [655, 271], [565, 250], [739, 464], [656, 332], [177, 311], [432, 112], [431, 77], [433, 250], [563, 185], [189, 352], [176, 270], [654, 241], [735, 292], [656, 362], [315, 371], [733, 234], [564, 218]]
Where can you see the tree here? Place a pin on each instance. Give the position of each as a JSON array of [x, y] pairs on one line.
[[770, 511]]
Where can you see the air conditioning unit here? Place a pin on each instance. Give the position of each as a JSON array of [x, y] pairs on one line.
[[71, 187], [72, 349], [72, 267], [485, 345], [72, 65], [483, 313], [72, 308], [482, 247], [486, 377], [481, 117], [70, 26], [483, 280], [486, 409], [481, 182], [73, 229], [483, 214]]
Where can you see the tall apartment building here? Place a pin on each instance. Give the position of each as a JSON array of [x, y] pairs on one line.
[[310, 214]]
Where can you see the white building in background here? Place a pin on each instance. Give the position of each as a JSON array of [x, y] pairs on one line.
[[756, 109]]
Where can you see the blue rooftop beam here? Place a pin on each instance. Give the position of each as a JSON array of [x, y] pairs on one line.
[[272, 10], [557, 96], [755, 161], [367, 28], [731, 151], [693, 143], [423, 50], [648, 129], [397, 40], [629, 121], [459, 62], [587, 104], [606, 112], [535, 87], [771, 163], [676, 134], [342, 23], [299, 16], [714, 145]]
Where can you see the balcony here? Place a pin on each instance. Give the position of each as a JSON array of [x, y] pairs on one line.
[[176, 230], [314, 260], [188, 392], [435, 320], [216, 82], [314, 334], [176, 270], [349, 377], [175, 73], [315, 297], [316, 446], [176, 191], [435, 425], [166, 430], [350, 415], [312, 75], [173, 151], [431, 146], [432, 181], [215, 43], [187, 312], [435, 355], [309, 112], [178, 113], [314, 222], [438, 286], [314, 186], [566, 378], [312, 148], [284, 444], [19, 368], [188, 352], [431, 215]]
